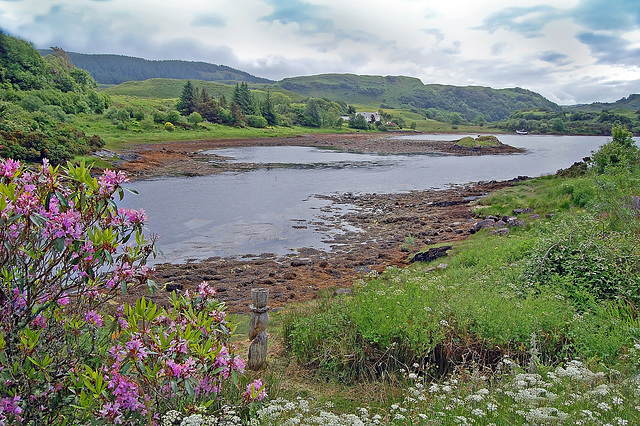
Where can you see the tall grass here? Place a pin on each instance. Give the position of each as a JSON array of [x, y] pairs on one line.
[[564, 287]]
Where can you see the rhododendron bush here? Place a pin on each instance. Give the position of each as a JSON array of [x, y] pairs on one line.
[[69, 353]]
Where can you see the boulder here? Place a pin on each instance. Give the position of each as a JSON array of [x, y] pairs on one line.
[[485, 223], [431, 254], [500, 231]]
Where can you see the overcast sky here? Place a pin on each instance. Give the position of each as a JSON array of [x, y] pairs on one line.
[[571, 51]]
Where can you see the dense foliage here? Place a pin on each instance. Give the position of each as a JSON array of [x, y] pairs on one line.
[[37, 97], [571, 121]]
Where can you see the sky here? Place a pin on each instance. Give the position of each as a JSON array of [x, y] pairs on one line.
[[570, 51]]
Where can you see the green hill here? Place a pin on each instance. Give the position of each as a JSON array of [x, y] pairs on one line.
[[632, 102], [168, 88], [116, 69], [409, 92]]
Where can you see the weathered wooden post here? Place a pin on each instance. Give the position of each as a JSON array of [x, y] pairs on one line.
[[258, 328]]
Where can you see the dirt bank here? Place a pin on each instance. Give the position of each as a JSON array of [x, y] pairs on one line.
[[384, 222]]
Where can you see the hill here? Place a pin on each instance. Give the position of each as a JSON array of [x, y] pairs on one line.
[[409, 92], [116, 69], [170, 88], [632, 102]]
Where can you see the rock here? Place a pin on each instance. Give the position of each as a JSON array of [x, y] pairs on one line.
[[500, 224], [298, 262], [485, 223], [342, 291], [289, 276], [521, 211], [173, 287], [494, 218], [431, 254], [516, 222], [550, 215], [501, 231], [534, 216], [442, 266]]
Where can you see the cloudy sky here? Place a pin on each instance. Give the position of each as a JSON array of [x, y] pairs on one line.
[[571, 51]]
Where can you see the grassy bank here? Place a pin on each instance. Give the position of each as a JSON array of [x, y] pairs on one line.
[[538, 325]]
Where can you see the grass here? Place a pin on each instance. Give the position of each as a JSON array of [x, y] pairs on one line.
[[480, 141], [481, 340]]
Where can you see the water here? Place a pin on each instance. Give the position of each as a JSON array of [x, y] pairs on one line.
[[274, 210]]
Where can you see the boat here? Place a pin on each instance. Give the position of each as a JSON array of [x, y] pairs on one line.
[[522, 132]]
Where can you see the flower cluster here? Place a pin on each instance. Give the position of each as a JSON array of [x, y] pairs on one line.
[[178, 355], [61, 251]]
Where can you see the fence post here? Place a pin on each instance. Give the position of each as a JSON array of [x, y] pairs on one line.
[[258, 328]]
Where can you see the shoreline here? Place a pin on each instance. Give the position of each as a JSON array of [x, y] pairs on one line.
[[384, 221], [147, 161]]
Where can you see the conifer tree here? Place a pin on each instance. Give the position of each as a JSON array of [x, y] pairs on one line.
[[187, 102]]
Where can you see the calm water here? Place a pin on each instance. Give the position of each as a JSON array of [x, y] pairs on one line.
[[273, 210]]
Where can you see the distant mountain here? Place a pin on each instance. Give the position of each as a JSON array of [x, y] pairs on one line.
[[116, 69], [409, 92], [631, 102]]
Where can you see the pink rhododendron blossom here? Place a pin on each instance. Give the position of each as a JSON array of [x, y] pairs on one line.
[[256, 391], [9, 167], [92, 317], [110, 180]]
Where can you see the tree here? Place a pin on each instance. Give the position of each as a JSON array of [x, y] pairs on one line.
[[187, 102], [242, 98], [312, 113], [455, 118], [268, 110], [237, 117], [357, 121]]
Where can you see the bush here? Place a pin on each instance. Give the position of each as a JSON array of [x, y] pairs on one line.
[[68, 251], [169, 126], [257, 121]]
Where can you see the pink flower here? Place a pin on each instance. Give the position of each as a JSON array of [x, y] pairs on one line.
[[92, 317], [256, 391], [110, 180], [9, 167]]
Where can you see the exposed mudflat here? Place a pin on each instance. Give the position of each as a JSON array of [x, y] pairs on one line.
[[383, 222]]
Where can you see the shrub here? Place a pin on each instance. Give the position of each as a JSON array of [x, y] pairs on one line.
[[169, 126], [257, 121], [64, 254], [67, 251]]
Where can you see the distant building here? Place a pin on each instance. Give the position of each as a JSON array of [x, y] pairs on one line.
[[367, 116]]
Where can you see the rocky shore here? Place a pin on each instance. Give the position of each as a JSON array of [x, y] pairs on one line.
[[387, 228]]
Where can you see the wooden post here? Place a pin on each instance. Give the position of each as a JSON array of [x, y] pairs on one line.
[[258, 328]]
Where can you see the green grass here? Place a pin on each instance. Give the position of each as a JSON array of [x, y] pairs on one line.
[[480, 141]]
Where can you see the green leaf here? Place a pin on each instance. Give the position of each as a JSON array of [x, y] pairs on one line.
[[189, 387]]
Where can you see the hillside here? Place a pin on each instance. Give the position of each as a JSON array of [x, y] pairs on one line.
[[116, 69], [409, 92], [632, 102], [171, 88]]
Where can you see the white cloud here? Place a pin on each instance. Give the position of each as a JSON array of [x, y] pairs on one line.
[[568, 50]]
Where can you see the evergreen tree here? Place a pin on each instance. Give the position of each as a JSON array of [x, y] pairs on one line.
[[187, 102], [268, 111], [242, 98]]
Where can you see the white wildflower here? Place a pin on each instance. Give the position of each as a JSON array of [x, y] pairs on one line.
[[604, 406]]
